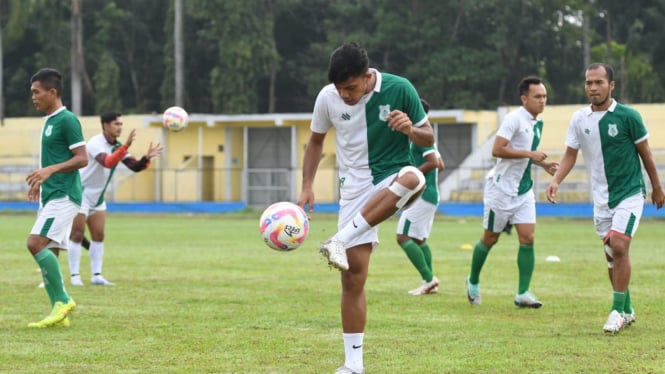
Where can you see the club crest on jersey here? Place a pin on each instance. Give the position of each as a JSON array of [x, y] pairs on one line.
[[384, 111], [49, 130], [612, 130]]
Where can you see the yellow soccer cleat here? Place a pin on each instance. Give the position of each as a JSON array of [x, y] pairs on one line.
[[58, 314]]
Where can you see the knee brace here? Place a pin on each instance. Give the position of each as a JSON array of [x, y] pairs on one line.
[[405, 193]]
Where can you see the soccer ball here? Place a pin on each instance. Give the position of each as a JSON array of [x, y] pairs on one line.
[[284, 226], [175, 118]]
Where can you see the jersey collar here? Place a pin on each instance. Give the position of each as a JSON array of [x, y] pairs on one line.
[[588, 111], [528, 115], [56, 112], [379, 79]]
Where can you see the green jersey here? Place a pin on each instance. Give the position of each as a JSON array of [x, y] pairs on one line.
[[61, 133], [607, 140]]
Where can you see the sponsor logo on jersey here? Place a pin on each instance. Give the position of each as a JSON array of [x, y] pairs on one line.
[[346, 116]]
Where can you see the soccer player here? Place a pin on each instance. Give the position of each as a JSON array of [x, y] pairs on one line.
[[104, 154], [375, 115], [612, 138], [508, 195], [56, 185], [415, 223]]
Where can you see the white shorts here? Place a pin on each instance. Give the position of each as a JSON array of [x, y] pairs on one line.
[[499, 208], [623, 219], [88, 207], [348, 208], [54, 221], [416, 221]]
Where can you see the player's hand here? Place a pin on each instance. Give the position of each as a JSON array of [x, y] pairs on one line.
[[538, 156], [399, 121], [658, 197], [551, 192], [307, 198], [551, 167], [154, 151], [130, 138], [33, 193]]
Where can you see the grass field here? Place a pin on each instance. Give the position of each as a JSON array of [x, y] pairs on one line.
[[203, 294]]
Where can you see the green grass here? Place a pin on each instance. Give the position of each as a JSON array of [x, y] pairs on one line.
[[203, 294]]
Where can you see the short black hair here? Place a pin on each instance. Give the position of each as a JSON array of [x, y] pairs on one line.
[[109, 117], [608, 69], [49, 78], [347, 61], [425, 105], [526, 83]]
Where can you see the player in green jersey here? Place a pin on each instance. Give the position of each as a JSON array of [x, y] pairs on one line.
[[613, 139], [56, 185], [415, 223], [375, 115]]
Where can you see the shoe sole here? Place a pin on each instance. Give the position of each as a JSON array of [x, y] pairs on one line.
[[326, 254], [532, 306]]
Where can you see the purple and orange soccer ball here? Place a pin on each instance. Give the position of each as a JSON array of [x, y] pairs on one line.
[[284, 226]]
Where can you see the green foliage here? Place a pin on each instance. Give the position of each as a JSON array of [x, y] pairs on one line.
[[242, 55], [203, 294]]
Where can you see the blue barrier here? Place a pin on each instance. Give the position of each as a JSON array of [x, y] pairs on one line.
[[447, 209]]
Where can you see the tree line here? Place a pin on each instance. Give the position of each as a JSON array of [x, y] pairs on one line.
[[261, 56]]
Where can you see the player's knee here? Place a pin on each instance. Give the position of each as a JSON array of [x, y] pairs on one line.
[[408, 185]]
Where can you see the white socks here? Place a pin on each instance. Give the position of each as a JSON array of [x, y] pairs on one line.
[[74, 257], [96, 257], [353, 351], [353, 229]]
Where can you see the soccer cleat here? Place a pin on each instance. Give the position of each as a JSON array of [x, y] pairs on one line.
[[59, 312], [473, 292], [615, 322], [98, 280], [63, 323], [629, 318], [346, 370], [75, 280], [41, 285], [527, 300], [426, 287], [335, 253]]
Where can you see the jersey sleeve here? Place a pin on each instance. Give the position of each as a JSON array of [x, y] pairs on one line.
[[572, 140], [638, 131], [73, 133], [412, 106], [509, 126], [321, 122]]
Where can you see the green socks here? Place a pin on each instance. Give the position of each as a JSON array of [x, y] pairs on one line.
[[52, 275], [628, 306], [418, 259], [480, 252], [619, 301], [526, 262]]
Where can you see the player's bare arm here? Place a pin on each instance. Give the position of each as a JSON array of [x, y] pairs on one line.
[[309, 168], [657, 194], [400, 121], [500, 149], [431, 163], [564, 167], [36, 178]]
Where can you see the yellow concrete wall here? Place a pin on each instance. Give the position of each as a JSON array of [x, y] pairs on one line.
[[19, 144]]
